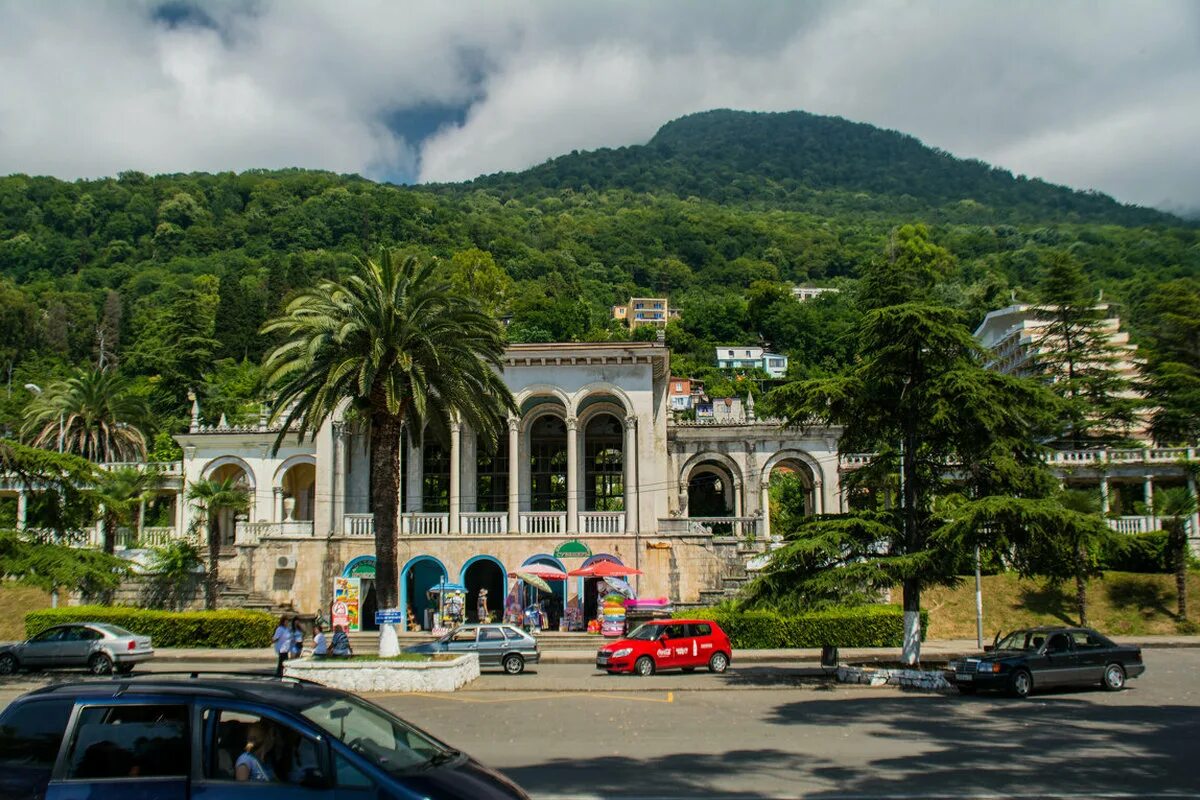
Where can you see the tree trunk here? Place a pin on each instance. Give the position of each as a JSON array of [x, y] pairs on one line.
[[110, 533], [914, 542], [1081, 584], [214, 556], [385, 492], [1179, 534], [912, 622]]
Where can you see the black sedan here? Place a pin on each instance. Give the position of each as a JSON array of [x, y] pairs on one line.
[[1049, 656]]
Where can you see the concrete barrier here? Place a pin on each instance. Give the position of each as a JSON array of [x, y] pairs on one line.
[[387, 676], [930, 680]]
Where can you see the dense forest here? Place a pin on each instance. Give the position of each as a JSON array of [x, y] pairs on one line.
[[167, 279]]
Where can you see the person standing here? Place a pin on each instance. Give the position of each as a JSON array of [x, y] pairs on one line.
[[297, 641], [481, 607], [282, 642]]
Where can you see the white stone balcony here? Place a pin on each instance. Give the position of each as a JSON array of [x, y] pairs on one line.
[[247, 533], [483, 523], [601, 522], [543, 522], [740, 527]]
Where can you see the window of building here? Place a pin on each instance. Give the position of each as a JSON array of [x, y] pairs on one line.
[[548, 464], [604, 465], [491, 476], [679, 387], [435, 483]]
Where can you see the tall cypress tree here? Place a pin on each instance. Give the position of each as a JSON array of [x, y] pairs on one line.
[[1074, 351], [1172, 377]]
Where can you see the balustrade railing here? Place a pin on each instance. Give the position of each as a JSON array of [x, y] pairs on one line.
[[251, 532], [550, 522], [601, 522], [1141, 455], [358, 525], [423, 524], [740, 527], [482, 523], [1133, 524]]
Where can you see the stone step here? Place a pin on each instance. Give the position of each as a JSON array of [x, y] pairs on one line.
[[734, 583]]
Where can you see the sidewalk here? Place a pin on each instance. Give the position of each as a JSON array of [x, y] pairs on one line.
[[931, 652]]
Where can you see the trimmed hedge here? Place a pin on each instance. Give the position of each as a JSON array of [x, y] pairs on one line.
[[861, 626], [1140, 552], [233, 628]]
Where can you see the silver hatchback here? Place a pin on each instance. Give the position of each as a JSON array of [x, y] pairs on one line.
[[504, 646], [98, 646]]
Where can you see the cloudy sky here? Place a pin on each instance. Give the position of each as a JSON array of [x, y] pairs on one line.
[[1096, 95]]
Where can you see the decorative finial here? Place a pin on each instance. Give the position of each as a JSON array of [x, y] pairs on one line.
[[195, 426], [223, 423]]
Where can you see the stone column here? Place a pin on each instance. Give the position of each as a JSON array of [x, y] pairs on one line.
[[141, 523], [818, 497], [514, 474], [1104, 504], [1195, 518], [1148, 495], [180, 513], [572, 476], [337, 489], [764, 503], [415, 466], [22, 509], [278, 504], [629, 459], [455, 475]]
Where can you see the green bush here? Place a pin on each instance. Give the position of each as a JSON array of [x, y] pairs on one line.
[[233, 628], [1139, 552], [861, 626]]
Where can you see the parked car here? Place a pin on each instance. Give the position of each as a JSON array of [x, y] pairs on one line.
[[100, 647], [668, 644], [1049, 656], [164, 737], [504, 646]]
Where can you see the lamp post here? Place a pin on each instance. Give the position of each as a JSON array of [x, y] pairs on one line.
[[33, 387]]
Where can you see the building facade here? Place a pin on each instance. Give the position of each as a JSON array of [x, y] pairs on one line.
[[773, 364], [644, 311]]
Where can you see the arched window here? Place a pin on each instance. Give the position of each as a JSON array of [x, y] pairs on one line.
[[435, 489], [604, 464], [548, 464], [491, 476]]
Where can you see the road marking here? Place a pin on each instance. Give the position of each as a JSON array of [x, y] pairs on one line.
[[670, 698]]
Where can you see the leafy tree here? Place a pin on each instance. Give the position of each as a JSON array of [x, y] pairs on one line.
[[172, 568], [120, 493], [211, 497], [1176, 506], [474, 273], [1075, 353], [92, 414], [1172, 377], [402, 347]]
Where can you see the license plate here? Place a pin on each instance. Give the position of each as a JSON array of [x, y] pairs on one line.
[[965, 678]]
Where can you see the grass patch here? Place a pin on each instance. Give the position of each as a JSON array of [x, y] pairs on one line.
[[14, 602], [1119, 603]]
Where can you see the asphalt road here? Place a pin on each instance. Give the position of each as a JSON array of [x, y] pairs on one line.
[[766, 732]]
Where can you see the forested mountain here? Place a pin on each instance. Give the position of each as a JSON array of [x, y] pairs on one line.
[[169, 278], [822, 164]]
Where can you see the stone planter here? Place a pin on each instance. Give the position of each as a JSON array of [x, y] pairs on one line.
[[386, 676], [929, 680]]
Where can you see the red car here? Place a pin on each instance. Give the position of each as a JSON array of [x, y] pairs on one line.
[[668, 644]]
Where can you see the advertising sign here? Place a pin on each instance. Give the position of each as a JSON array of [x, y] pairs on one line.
[[388, 616], [572, 549], [364, 569], [346, 593]]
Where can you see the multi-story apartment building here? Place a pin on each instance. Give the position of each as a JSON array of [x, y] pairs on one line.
[[644, 311], [803, 293], [773, 364]]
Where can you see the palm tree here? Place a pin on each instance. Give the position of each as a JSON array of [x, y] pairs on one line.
[[401, 346], [121, 492], [92, 414], [1175, 506], [211, 496]]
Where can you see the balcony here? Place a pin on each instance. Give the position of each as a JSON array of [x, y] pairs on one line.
[[363, 525], [246, 533], [602, 522], [739, 527], [483, 523], [543, 522]]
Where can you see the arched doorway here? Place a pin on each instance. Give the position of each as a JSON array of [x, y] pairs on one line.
[[299, 486], [710, 491], [604, 464], [791, 493], [484, 572], [554, 603], [548, 464], [591, 586], [418, 575], [363, 568], [226, 519]]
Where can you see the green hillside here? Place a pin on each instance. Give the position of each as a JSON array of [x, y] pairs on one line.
[[170, 277], [822, 164]]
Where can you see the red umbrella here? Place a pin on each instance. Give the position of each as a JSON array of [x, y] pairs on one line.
[[544, 571], [604, 569]]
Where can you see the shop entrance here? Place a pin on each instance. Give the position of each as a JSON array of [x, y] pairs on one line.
[[484, 572], [370, 605], [554, 602], [418, 576]]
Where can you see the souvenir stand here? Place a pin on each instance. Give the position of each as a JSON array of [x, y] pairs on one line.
[[451, 605], [612, 593]]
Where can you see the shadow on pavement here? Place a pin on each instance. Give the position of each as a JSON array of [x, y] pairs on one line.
[[1050, 744]]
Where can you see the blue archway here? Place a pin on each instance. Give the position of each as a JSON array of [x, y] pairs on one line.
[[419, 573], [484, 572], [558, 589], [354, 562]]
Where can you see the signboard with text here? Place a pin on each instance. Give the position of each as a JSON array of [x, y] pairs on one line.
[[389, 616], [345, 610]]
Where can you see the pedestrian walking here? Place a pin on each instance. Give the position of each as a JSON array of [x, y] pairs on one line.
[[282, 642], [297, 642], [320, 643]]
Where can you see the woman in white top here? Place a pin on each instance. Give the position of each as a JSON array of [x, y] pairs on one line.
[[320, 643], [282, 643], [253, 764]]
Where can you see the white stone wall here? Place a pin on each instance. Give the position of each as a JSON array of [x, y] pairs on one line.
[[386, 676]]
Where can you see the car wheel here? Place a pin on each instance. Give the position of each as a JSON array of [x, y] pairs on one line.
[[718, 663], [644, 666], [1114, 677], [514, 664], [100, 664], [1021, 683], [8, 664], [964, 689]]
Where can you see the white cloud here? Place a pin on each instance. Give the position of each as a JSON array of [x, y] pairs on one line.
[[1096, 95]]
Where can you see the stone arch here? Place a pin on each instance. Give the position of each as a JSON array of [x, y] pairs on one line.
[[288, 463], [724, 460], [800, 456], [496, 583], [727, 479], [222, 461], [542, 390], [814, 478], [602, 388], [558, 589], [422, 584]]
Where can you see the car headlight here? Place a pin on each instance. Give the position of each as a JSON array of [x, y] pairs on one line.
[[992, 667], [624, 651]]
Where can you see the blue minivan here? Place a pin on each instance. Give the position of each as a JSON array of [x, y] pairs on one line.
[[167, 737]]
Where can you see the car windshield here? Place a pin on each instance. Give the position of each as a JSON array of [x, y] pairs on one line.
[[1022, 640], [377, 735], [646, 633]]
